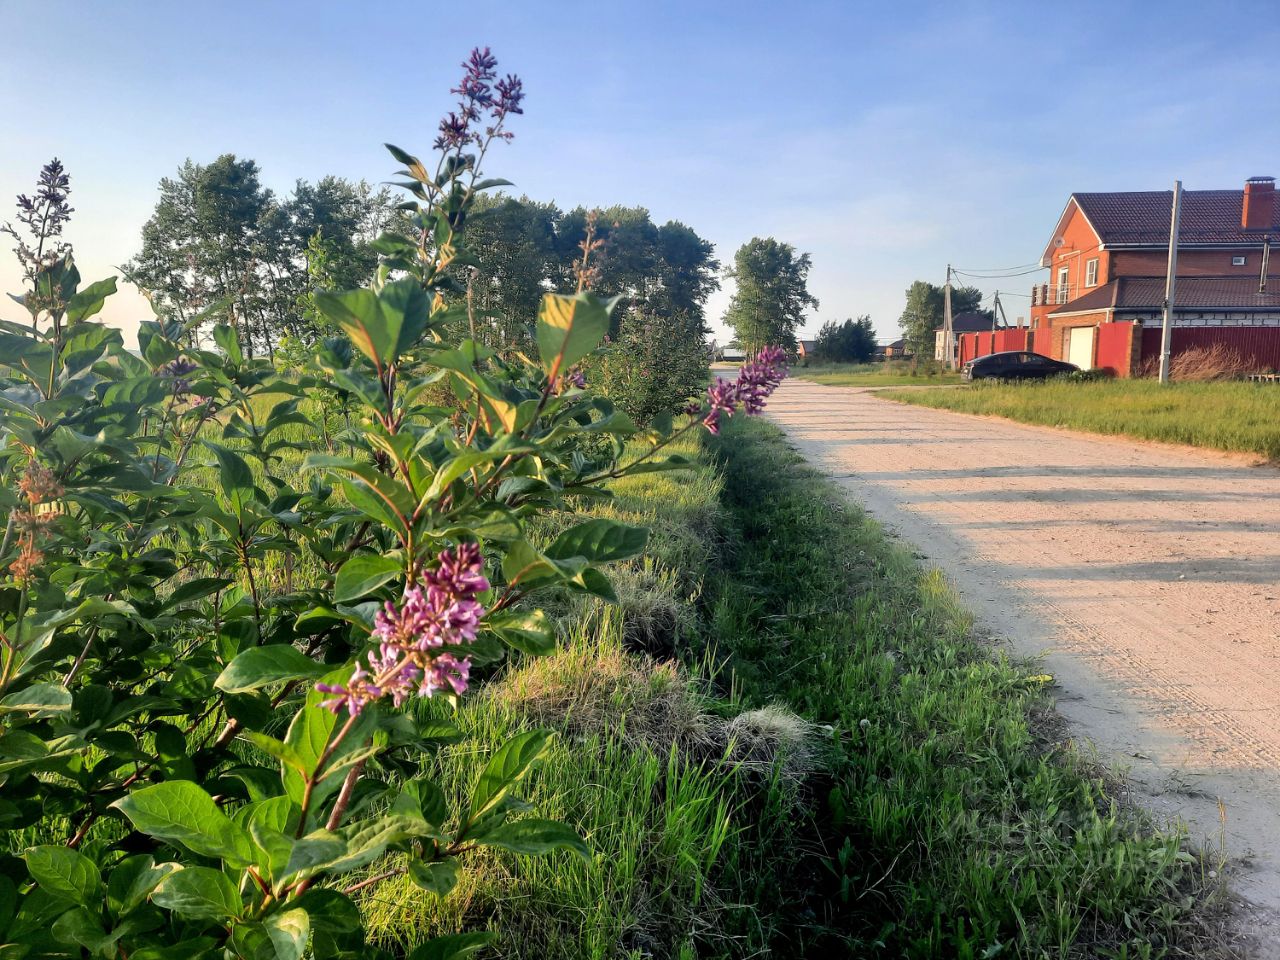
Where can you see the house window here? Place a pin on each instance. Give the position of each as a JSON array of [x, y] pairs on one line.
[[1091, 273], [1237, 261], [1061, 294]]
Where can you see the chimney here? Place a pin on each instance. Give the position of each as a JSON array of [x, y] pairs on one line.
[[1259, 197]]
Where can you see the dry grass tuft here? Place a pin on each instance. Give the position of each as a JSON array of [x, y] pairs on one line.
[[772, 738], [1204, 364], [586, 688]]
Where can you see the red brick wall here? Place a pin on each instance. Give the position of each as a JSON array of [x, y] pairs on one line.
[[1193, 263]]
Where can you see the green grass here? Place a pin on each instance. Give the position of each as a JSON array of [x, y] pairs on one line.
[[953, 824], [1239, 417], [891, 374]]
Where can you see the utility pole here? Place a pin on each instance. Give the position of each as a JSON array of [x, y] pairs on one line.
[[1166, 333], [1266, 263], [948, 336], [997, 309]]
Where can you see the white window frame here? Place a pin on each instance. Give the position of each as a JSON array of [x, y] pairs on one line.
[[1238, 261], [1091, 272]]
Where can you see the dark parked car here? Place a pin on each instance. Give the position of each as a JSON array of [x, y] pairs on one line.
[[1014, 365]]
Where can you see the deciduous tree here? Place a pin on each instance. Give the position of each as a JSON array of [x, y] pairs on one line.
[[772, 296]]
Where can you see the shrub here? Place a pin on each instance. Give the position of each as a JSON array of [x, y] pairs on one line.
[[200, 749], [847, 342], [657, 364]]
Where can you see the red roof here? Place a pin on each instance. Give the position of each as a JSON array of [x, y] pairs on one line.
[[1146, 294], [1142, 218]]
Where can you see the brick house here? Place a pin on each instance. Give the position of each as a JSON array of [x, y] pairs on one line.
[[968, 322], [1107, 260]]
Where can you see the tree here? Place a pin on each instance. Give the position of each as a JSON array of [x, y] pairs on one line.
[[853, 341], [516, 245], [657, 270], [218, 236], [923, 315], [768, 306]]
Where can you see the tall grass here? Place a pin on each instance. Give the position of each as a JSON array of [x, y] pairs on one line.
[[955, 825], [1239, 417]]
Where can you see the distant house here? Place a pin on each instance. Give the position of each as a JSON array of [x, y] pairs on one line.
[[1107, 260], [969, 322], [894, 351], [804, 349]]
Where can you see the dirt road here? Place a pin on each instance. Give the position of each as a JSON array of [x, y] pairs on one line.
[[1148, 577]]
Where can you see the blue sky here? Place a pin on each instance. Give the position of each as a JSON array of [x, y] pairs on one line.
[[886, 140]]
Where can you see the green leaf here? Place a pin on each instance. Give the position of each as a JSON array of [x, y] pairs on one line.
[[599, 541], [196, 589], [275, 748], [536, 837], [83, 927], [313, 852], [438, 877], [89, 301], [65, 873], [529, 631], [382, 325], [40, 699], [452, 946], [259, 666], [181, 812], [227, 340], [570, 327], [363, 574], [233, 472], [133, 879], [289, 932], [506, 768], [199, 892]]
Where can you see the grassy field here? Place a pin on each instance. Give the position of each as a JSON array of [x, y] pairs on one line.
[[1241, 417], [891, 374]]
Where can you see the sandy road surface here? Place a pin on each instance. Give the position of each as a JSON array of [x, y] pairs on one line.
[[1147, 576]]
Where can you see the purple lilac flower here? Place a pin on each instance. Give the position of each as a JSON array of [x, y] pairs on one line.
[[757, 379], [177, 370], [722, 397], [476, 94], [418, 637]]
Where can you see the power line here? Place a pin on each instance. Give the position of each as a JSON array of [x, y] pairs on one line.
[[1020, 266], [996, 276]]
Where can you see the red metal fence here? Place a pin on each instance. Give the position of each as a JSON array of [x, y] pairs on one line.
[[1113, 348], [991, 341], [1260, 346]]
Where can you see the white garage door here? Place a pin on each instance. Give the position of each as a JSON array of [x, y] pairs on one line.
[[1080, 350]]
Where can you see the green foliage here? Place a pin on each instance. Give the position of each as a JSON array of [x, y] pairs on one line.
[[158, 692], [657, 364], [853, 341], [219, 238], [923, 315], [772, 294]]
